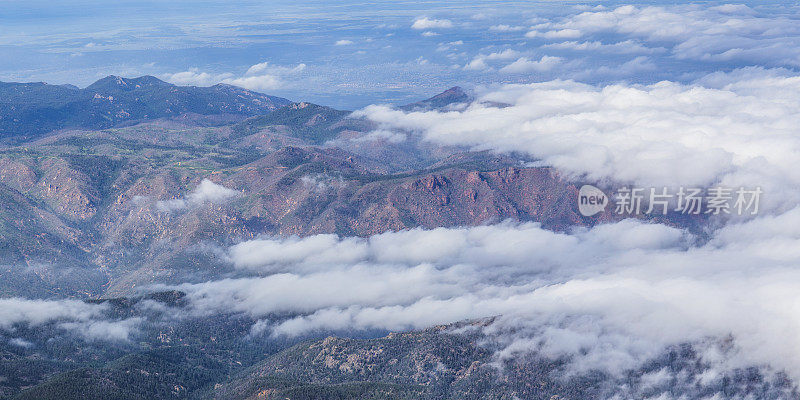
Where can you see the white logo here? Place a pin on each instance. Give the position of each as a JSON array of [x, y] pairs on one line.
[[591, 200]]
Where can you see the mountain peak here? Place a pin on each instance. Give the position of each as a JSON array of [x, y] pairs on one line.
[[453, 91], [454, 95], [116, 83]]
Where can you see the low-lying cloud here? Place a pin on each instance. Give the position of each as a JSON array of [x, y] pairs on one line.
[[735, 129], [609, 297], [88, 321], [206, 192], [15, 311]]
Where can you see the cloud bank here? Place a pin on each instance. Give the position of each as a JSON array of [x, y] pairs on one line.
[[86, 320], [735, 129], [695, 32], [610, 297]]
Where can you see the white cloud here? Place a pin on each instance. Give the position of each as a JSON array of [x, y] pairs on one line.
[[193, 77], [524, 65], [15, 311], [323, 182], [259, 77], [343, 42], [428, 23], [206, 192], [733, 9], [610, 297], [86, 320], [382, 135], [112, 331], [259, 82], [556, 34], [506, 28], [258, 68], [744, 133], [506, 54], [270, 252], [723, 33], [628, 68], [267, 68], [429, 34], [479, 62], [19, 342], [624, 47]]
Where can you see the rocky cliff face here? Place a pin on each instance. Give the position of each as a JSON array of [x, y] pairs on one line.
[[129, 227]]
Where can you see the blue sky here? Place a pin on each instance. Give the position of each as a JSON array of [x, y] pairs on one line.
[[349, 54]]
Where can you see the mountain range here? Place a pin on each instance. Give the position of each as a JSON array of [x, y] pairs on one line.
[[28, 110], [107, 192], [95, 197]]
